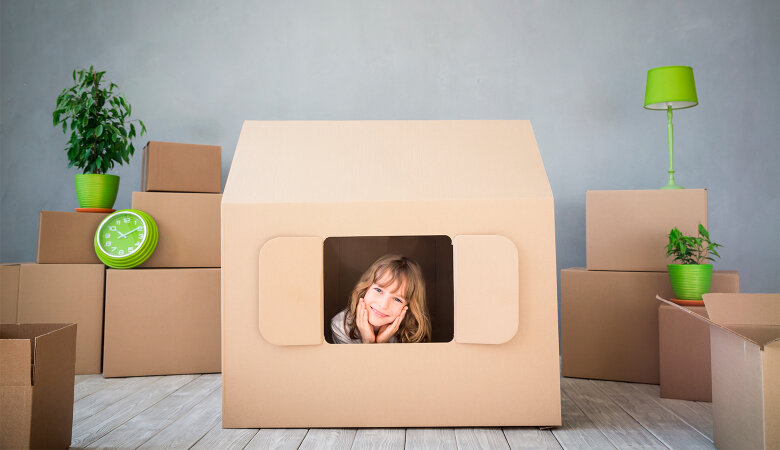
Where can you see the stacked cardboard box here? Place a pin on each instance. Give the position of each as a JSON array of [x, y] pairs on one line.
[[609, 314], [164, 317], [65, 286]]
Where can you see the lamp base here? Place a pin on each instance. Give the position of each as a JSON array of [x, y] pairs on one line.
[[671, 184]]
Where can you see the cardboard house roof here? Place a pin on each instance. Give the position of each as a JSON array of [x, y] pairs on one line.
[[451, 160]]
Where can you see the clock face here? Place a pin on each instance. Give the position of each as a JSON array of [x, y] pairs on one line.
[[121, 234]]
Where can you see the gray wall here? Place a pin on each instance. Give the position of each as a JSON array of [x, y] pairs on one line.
[[194, 70]]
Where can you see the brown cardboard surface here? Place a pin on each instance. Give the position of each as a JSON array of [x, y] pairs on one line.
[[450, 178], [745, 368], [38, 411], [627, 230], [66, 293], [68, 237], [173, 167], [162, 321], [189, 227], [684, 354], [609, 322], [9, 292]]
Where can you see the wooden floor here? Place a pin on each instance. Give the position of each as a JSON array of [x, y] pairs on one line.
[[184, 411]]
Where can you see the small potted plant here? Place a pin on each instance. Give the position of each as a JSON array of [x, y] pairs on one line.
[[692, 277], [101, 134]]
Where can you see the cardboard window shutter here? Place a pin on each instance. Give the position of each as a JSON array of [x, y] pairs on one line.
[[290, 291], [486, 289]]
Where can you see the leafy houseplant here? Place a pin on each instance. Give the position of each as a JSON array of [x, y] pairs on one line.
[[101, 134], [693, 276]]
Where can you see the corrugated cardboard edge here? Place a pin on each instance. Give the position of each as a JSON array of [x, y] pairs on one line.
[[704, 319]]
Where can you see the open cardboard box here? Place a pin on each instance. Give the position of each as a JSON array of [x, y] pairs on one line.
[[745, 353], [481, 185], [36, 385]]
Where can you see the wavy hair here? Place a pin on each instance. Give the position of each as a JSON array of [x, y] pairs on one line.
[[416, 326]]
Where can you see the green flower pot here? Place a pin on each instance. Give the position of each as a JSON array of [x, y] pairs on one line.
[[690, 281], [96, 190]]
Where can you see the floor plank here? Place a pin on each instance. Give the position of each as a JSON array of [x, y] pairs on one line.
[[116, 389], [87, 385], [328, 438], [380, 439], [278, 438], [664, 424], [578, 432], [530, 438], [142, 427], [430, 438], [225, 438], [696, 414], [480, 438], [101, 423], [617, 425], [191, 426]]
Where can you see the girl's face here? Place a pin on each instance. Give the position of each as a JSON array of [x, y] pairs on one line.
[[384, 303]]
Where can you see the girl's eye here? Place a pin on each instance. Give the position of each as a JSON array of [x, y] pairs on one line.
[[378, 290], [398, 300]]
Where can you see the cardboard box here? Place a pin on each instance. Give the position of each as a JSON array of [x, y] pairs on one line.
[[745, 349], [609, 322], [684, 354], [482, 184], [36, 406], [9, 292], [60, 293], [162, 321], [68, 237], [172, 167], [189, 227], [628, 230]]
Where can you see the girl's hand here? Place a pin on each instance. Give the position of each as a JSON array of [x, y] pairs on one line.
[[365, 328], [389, 330]]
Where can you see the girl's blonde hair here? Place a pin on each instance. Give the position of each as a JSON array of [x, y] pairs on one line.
[[416, 326]]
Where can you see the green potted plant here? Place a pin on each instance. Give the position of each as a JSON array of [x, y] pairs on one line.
[[101, 134], [692, 276]]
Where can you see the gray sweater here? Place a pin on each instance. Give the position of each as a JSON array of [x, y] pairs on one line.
[[340, 335]]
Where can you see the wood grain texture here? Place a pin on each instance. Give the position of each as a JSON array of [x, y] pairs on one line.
[[278, 438], [115, 389], [696, 414], [480, 438], [430, 438], [85, 385], [645, 409], [328, 438], [379, 438], [225, 438], [617, 425], [577, 431], [191, 426], [101, 423], [142, 427], [530, 438]]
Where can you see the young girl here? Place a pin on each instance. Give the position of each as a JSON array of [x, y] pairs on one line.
[[386, 305]]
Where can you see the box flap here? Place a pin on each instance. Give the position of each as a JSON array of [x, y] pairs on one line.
[[291, 291], [743, 309], [486, 289], [292, 161], [757, 334], [17, 358]]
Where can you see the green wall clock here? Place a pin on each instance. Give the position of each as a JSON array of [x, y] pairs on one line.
[[126, 239]]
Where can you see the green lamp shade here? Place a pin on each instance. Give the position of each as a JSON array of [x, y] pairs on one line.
[[670, 86]]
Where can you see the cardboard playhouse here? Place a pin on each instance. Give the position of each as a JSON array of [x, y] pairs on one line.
[[308, 205], [745, 352]]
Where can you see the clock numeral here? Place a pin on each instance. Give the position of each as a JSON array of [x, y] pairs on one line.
[[135, 221], [107, 236], [108, 243], [118, 221], [112, 228], [130, 249], [121, 252], [126, 220], [113, 249], [141, 236]]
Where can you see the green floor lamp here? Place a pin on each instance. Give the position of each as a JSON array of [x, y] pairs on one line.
[[668, 88]]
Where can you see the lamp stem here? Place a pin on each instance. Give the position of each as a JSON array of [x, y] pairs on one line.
[[670, 133]]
